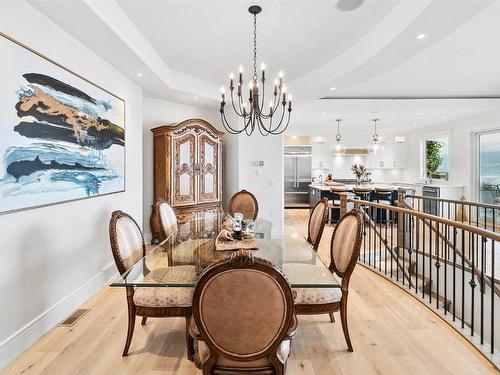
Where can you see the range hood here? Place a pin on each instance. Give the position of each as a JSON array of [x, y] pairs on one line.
[[356, 151]]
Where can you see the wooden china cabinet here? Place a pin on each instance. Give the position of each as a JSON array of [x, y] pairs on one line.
[[187, 169]]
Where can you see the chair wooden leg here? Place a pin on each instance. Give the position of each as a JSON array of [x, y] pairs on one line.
[[343, 319], [189, 342], [332, 317], [131, 325], [279, 368], [143, 322]]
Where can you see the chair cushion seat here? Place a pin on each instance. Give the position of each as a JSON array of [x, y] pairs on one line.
[[226, 363], [317, 296], [163, 297]]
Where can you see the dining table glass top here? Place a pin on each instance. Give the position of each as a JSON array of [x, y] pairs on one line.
[[179, 260]]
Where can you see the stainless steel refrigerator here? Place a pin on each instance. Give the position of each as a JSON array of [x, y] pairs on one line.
[[297, 176]]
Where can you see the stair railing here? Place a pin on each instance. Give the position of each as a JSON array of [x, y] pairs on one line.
[[424, 254]]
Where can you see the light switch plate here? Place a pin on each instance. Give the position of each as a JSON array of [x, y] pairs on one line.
[[258, 163]]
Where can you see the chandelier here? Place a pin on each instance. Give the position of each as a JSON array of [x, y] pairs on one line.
[[268, 121]]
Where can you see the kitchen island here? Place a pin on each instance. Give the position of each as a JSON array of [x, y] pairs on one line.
[[319, 191]]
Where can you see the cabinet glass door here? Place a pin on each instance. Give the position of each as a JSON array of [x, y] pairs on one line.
[[184, 170], [208, 169]]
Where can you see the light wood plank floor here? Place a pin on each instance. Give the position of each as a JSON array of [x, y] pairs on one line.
[[392, 333]]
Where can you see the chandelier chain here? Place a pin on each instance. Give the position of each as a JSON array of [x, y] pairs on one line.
[[255, 47]]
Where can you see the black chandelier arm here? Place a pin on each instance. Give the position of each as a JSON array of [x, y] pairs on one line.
[[234, 107], [250, 124], [273, 131], [227, 126], [276, 103], [263, 96], [284, 128]]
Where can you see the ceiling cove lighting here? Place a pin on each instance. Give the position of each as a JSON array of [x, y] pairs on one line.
[[253, 114]]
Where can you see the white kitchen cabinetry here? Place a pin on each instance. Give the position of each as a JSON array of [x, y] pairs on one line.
[[322, 155], [388, 156]]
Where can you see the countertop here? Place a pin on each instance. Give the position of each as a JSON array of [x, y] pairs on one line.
[[372, 186], [393, 185]]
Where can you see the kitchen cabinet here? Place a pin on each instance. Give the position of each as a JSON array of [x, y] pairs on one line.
[[388, 156]]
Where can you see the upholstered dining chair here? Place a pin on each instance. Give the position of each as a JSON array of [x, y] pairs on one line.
[[168, 220], [127, 245], [245, 203], [317, 221], [334, 203], [243, 318], [344, 250]]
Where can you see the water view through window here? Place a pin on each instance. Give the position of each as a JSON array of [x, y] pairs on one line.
[[489, 167]]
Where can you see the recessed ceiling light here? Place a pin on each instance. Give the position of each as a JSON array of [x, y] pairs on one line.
[[421, 36], [333, 88], [196, 97], [323, 114], [414, 125], [418, 113], [139, 74], [443, 117]]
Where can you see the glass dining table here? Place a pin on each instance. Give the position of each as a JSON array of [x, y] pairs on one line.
[[179, 260]]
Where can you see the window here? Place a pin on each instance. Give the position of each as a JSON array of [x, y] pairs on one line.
[[489, 167], [436, 159]]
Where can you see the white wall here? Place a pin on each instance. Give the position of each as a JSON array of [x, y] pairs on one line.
[[156, 113], [461, 151], [55, 258], [265, 182]]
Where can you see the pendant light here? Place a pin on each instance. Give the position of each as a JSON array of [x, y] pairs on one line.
[[338, 137]]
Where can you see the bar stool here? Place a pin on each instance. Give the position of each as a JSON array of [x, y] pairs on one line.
[[362, 193], [383, 196], [334, 203]]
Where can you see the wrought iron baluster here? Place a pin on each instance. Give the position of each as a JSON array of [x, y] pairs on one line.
[[463, 278], [472, 284], [454, 269]]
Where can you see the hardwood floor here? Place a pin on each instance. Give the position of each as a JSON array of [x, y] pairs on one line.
[[392, 333]]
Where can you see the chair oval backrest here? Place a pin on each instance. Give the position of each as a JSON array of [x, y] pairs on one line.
[[243, 307], [168, 220], [317, 221], [346, 243], [245, 203], [127, 242]]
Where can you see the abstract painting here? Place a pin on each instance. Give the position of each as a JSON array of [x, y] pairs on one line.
[[61, 137]]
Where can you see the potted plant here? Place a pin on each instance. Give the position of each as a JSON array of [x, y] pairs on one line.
[[359, 171], [433, 158]]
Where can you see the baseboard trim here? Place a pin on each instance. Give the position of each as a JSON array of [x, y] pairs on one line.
[[109, 272], [19, 341]]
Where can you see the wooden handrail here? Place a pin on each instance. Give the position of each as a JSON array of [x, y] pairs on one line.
[[467, 203], [461, 254], [456, 224]]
